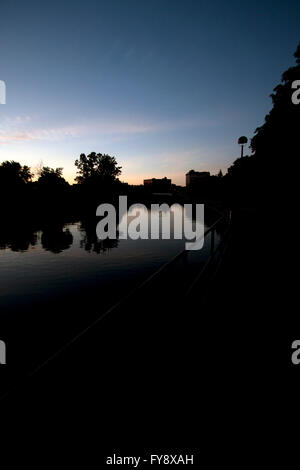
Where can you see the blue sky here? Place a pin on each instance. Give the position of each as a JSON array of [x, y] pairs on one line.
[[164, 86]]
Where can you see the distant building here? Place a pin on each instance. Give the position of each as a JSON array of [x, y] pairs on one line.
[[193, 178], [158, 184]]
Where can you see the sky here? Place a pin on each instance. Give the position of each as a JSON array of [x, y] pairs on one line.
[[165, 86]]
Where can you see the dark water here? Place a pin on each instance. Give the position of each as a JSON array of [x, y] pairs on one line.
[[57, 280], [43, 270]]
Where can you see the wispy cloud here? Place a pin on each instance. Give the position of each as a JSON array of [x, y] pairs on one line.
[[8, 136], [16, 120], [6, 139], [18, 128]]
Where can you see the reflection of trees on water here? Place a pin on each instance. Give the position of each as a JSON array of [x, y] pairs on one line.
[[90, 242], [22, 237], [56, 239], [17, 237]]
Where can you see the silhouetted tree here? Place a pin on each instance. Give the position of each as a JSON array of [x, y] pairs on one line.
[[13, 173], [97, 168], [52, 193], [276, 141], [242, 168], [241, 181], [51, 177]]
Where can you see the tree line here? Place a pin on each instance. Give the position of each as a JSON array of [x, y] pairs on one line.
[[92, 169], [48, 191]]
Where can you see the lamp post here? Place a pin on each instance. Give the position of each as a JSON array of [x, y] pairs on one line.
[[242, 141]]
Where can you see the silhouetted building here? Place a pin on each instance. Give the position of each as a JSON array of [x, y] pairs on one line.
[[159, 184], [194, 178]]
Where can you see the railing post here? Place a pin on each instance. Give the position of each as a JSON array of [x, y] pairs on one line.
[[212, 242]]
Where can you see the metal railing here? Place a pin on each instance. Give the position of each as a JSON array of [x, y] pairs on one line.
[[212, 252], [213, 249]]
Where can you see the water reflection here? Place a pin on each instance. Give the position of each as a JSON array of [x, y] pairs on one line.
[[57, 236], [17, 237], [56, 239], [90, 242], [61, 284]]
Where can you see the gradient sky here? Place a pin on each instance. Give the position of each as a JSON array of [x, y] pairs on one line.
[[164, 86]]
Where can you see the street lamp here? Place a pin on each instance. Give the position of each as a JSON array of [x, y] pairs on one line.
[[242, 141]]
